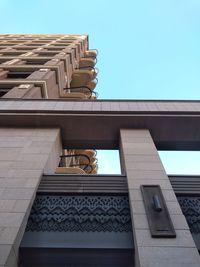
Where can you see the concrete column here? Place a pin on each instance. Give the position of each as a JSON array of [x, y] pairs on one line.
[[24, 155], [143, 166]]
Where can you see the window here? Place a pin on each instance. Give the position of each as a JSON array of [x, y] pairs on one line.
[[181, 162], [36, 62], [18, 75]]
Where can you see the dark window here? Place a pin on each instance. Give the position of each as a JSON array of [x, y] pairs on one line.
[[3, 60], [13, 53], [62, 44], [53, 49], [6, 45], [35, 62], [44, 54], [3, 91], [18, 75], [23, 48]]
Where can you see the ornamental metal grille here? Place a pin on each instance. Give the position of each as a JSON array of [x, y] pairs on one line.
[[191, 209], [80, 213]]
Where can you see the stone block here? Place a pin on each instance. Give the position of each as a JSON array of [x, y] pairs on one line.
[[19, 235], [7, 205], [18, 193], [12, 182], [9, 143], [174, 207], [9, 154], [5, 164], [59, 105], [168, 257], [139, 146], [148, 166], [137, 140], [136, 183], [106, 106], [11, 219], [144, 167], [139, 149], [31, 149], [12, 260], [32, 182], [137, 207], [16, 132], [142, 158], [183, 239], [1, 191], [54, 156], [17, 173], [135, 194], [131, 134], [5, 251], [49, 133], [113, 106], [4, 173], [32, 158], [23, 155], [169, 195], [146, 174], [40, 144], [28, 165], [21, 205], [179, 222], [8, 235]]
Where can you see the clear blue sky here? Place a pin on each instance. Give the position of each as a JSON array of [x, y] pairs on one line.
[[147, 49]]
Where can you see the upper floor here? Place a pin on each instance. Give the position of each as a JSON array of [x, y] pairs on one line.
[[47, 66]]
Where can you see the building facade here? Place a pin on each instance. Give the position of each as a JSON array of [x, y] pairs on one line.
[[55, 209]]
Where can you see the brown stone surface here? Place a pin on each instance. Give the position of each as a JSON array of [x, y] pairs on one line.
[[143, 166], [24, 155], [166, 127]]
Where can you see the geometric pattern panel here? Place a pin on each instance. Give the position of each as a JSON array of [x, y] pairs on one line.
[[191, 209], [82, 213]]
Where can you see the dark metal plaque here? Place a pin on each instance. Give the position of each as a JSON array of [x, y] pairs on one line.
[[159, 220]]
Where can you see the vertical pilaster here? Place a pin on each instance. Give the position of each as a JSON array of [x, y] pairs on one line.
[[24, 155], [143, 166]]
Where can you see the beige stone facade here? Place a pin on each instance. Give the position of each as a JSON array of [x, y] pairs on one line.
[[143, 166], [51, 122], [24, 156]]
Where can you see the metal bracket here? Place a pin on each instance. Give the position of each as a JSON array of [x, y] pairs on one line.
[[159, 220]]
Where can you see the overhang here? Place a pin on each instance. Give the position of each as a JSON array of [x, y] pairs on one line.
[[173, 124]]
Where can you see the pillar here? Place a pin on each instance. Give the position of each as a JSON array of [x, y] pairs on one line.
[[24, 155], [143, 166]]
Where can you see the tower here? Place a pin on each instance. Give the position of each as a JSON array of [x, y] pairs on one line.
[[55, 209]]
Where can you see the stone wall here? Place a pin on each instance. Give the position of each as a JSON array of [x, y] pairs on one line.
[[143, 166], [24, 155]]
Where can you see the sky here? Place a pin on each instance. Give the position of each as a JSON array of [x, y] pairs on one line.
[[147, 49]]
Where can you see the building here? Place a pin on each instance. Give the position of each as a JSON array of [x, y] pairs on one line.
[[55, 210]]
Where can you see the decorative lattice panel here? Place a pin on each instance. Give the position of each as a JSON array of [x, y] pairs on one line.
[[80, 213], [191, 209]]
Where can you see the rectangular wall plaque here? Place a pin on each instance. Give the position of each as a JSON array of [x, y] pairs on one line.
[[159, 220]]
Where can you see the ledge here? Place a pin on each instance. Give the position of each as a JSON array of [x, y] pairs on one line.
[[174, 125]]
